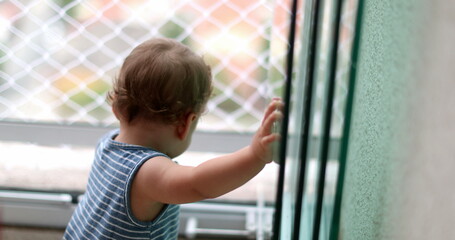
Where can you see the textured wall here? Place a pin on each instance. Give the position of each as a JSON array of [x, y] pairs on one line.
[[388, 52], [426, 201]]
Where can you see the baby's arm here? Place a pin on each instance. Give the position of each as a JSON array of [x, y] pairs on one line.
[[171, 183], [228, 172]]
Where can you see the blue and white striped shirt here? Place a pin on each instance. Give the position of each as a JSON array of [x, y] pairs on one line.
[[105, 210]]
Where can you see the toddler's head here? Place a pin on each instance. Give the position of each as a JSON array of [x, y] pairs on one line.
[[161, 80]]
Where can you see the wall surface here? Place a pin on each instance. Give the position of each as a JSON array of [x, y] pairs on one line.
[[426, 206], [401, 155]]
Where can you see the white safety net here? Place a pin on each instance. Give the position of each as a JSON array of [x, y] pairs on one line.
[[58, 57]]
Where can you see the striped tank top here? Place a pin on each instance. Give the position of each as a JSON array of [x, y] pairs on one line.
[[105, 211]]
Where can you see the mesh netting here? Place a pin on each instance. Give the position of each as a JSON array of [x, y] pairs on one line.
[[58, 57]]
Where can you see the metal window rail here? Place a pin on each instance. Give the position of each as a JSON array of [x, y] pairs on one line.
[[54, 134], [35, 209], [84, 135], [203, 219]]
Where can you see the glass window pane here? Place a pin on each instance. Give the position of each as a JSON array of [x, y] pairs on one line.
[[294, 131], [340, 78]]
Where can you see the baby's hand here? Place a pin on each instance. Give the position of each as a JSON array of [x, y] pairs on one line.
[[264, 137]]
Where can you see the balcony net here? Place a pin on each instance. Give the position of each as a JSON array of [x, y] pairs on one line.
[[59, 57]]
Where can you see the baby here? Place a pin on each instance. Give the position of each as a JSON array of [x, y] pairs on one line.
[[134, 187]]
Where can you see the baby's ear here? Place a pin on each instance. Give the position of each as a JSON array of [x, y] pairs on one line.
[[119, 113], [183, 127], [116, 112]]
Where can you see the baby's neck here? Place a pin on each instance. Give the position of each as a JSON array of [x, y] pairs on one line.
[[157, 136]]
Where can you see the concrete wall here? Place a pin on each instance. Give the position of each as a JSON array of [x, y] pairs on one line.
[[401, 150]]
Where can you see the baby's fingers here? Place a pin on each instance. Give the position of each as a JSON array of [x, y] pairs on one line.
[[270, 139], [270, 120], [274, 106]]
